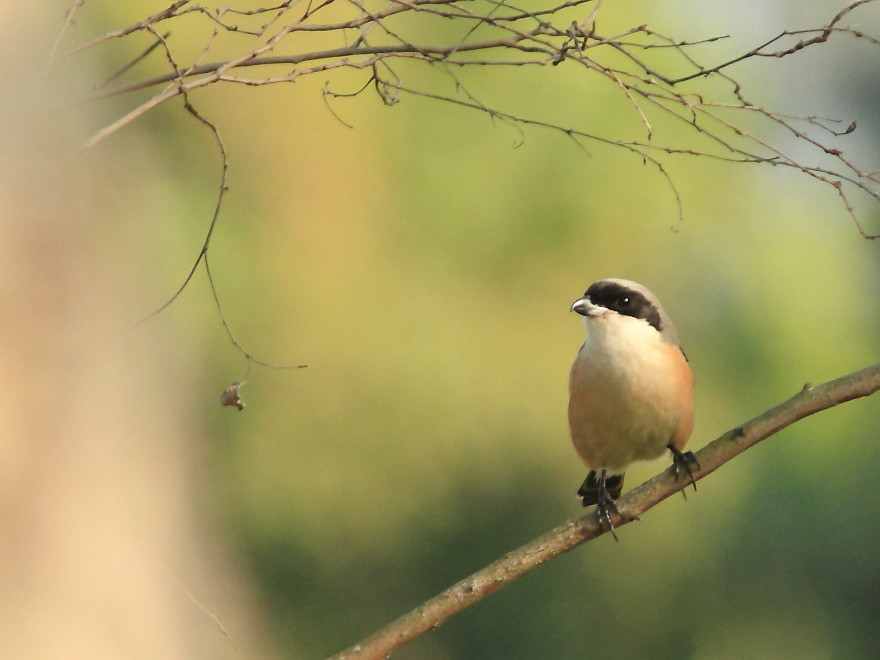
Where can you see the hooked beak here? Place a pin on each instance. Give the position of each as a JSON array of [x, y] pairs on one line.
[[584, 307]]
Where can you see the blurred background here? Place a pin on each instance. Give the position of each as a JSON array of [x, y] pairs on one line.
[[421, 259]]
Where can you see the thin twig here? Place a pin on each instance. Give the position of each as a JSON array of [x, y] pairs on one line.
[[68, 21], [148, 22], [202, 256], [824, 32], [195, 601], [247, 355], [632, 147], [223, 188], [134, 62]]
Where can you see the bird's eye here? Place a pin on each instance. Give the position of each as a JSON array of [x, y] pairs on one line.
[[623, 302]]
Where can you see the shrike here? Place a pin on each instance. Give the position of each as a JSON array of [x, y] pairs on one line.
[[630, 390]]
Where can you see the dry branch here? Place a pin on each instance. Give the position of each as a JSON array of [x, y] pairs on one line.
[[377, 39], [495, 34], [570, 534]]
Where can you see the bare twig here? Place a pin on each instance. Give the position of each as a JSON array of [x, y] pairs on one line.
[[148, 22], [383, 42], [251, 360], [635, 148], [195, 601], [224, 160], [822, 36], [575, 532], [135, 61], [68, 21], [202, 256], [499, 34]]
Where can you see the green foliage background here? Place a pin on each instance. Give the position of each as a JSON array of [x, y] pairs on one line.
[[422, 263]]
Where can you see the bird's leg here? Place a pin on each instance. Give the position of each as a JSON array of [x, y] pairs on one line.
[[601, 489], [604, 503], [681, 465]]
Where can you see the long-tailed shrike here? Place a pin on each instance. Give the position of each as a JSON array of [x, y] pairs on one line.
[[631, 390]]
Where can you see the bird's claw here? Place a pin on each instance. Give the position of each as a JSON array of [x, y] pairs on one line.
[[604, 507], [601, 489], [682, 461]]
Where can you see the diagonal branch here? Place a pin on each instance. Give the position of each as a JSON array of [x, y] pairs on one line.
[[577, 531]]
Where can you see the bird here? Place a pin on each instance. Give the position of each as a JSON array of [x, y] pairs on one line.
[[631, 391]]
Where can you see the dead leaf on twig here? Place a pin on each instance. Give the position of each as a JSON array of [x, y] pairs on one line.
[[230, 396]]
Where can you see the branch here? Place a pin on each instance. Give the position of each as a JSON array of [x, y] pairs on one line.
[[499, 34], [145, 24], [202, 257], [68, 20], [821, 37], [574, 532]]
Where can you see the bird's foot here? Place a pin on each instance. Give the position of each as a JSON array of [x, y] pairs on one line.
[[682, 464], [604, 507], [602, 489]]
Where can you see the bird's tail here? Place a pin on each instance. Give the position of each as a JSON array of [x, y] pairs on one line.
[[594, 483]]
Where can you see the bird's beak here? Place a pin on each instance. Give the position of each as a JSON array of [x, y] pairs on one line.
[[584, 307]]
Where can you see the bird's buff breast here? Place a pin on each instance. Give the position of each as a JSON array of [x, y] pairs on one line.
[[631, 396]]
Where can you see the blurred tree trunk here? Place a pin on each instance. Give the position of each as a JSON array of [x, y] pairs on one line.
[[99, 527]]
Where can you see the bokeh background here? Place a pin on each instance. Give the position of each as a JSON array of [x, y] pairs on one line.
[[421, 259]]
